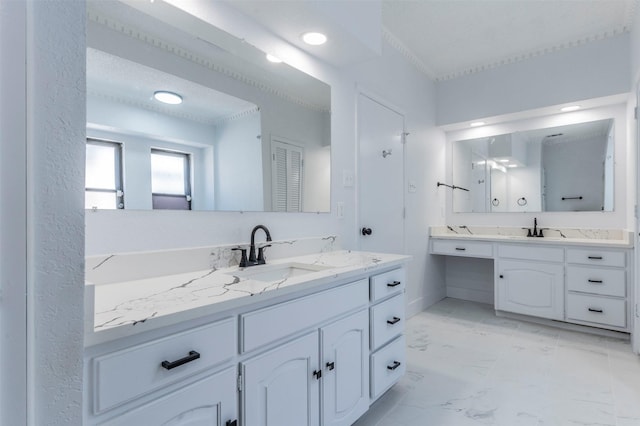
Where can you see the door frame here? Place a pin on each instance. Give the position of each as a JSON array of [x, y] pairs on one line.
[[635, 302], [381, 100]]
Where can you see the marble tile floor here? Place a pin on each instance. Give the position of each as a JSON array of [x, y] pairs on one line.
[[466, 366]]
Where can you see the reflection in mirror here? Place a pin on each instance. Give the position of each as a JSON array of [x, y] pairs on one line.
[[248, 134], [564, 168]]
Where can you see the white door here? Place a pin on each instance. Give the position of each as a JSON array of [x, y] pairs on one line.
[[345, 361], [380, 177], [280, 387]]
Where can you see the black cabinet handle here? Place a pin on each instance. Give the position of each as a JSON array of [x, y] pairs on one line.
[[501, 276], [595, 257], [599, 311], [393, 321], [366, 231], [232, 423], [193, 355], [460, 248], [331, 366], [393, 366], [317, 374], [393, 284], [595, 281]]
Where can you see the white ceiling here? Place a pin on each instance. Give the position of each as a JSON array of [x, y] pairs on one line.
[[448, 38]]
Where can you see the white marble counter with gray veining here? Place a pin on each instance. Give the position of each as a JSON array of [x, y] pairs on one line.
[[131, 293], [619, 238]]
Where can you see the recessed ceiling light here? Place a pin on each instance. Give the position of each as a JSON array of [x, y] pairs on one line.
[[167, 97], [512, 165], [570, 108], [503, 160], [477, 124], [273, 59], [314, 39]]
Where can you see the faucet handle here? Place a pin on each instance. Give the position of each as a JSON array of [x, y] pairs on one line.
[[261, 253], [243, 257]]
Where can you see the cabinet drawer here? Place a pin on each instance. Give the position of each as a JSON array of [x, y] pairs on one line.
[[524, 252], [388, 283], [270, 324], [387, 366], [596, 257], [387, 321], [124, 375], [609, 282], [462, 248], [595, 309], [203, 402]]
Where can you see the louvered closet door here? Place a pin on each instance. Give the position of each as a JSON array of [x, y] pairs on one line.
[[287, 170]]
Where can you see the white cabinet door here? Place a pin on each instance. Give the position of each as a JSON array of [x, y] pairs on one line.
[[281, 387], [345, 376], [211, 401], [531, 288]]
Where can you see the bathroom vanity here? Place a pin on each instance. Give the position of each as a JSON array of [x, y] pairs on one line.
[[573, 276], [307, 340]]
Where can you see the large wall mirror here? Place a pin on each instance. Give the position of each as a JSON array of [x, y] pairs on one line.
[[564, 168], [245, 133]]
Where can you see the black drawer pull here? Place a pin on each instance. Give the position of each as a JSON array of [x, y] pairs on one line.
[[393, 321], [595, 257], [193, 355], [599, 311], [393, 366], [393, 284], [595, 281], [460, 248]]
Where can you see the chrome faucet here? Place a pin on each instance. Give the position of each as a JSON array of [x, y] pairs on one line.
[[252, 249]]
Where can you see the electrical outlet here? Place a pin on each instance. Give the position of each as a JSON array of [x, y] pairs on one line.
[[348, 178], [412, 186]]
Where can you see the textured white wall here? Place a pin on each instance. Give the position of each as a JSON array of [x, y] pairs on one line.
[[13, 228], [592, 70], [55, 209]]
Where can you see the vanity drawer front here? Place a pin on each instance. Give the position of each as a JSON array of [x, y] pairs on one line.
[[595, 309], [270, 324], [518, 251], [388, 283], [462, 248], [609, 282], [597, 257], [127, 374], [387, 320], [387, 366]]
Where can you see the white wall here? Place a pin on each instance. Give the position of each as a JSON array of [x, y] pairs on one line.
[[238, 164], [595, 69], [55, 210], [13, 214], [621, 217]]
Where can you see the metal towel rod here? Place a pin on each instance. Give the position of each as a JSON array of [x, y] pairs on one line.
[[572, 198], [452, 186]]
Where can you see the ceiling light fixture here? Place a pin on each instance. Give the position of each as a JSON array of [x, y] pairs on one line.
[[477, 123], [273, 59], [167, 97], [314, 39], [570, 108]]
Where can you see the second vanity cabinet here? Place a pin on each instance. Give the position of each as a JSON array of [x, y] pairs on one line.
[[530, 281], [317, 359]]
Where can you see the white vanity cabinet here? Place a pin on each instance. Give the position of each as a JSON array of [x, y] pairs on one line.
[[316, 358], [387, 316], [597, 288], [530, 281]]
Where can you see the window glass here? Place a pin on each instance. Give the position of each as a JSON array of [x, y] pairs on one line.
[[103, 175], [168, 172]]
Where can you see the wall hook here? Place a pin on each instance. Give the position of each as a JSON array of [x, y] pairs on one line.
[[385, 153]]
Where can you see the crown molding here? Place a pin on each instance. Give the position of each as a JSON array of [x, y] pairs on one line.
[[395, 42], [237, 116], [157, 42]]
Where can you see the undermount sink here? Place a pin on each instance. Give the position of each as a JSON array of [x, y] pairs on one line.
[[279, 272]]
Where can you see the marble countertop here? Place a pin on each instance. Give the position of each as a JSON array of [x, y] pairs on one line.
[[614, 238], [129, 307]]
